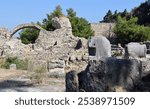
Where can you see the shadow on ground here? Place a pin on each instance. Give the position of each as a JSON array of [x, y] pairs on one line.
[[13, 84]]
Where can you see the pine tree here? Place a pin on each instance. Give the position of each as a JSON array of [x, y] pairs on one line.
[[80, 26], [57, 12], [124, 13], [108, 17]]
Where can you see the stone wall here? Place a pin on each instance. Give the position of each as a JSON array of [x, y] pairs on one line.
[[103, 29], [50, 49]]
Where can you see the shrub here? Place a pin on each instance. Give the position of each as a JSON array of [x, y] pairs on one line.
[[129, 31], [40, 74], [21, 64], [80, 26], [41, 69]]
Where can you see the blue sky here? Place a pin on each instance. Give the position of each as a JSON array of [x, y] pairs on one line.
[[15, 12]]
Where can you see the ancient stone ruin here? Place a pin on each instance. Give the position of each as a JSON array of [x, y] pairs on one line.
[[88, 65], [106, 73], [58, 51], [103, 29], [99, 47]]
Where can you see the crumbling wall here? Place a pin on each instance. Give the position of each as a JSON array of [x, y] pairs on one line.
[[103, 29], [112, 74], [57, 46]]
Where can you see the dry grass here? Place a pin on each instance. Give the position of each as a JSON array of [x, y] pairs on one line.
[[7, 74]]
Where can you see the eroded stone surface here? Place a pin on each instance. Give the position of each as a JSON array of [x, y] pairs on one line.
[[108, 75], [50, 45], [135, 50], [101, 45]]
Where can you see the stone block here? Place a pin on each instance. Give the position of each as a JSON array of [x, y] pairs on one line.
[[56, 72], [56, 64], [13, 67], [135, 50], [101, 47], [72, 84]]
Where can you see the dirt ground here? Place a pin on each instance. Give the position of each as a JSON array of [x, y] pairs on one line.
[[8, 74], [23, 81]]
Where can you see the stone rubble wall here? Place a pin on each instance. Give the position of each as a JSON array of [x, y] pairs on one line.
[[111, 73], [103, 29], [52, 48]]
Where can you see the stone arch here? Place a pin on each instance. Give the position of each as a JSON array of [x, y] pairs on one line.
[[22, 26]]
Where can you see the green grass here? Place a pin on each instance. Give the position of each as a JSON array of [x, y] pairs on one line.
[[21, 64]]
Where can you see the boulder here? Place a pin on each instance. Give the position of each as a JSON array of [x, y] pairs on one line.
[[135, 50], [93, 78], [100, 76], [122, 72], [72, 82]]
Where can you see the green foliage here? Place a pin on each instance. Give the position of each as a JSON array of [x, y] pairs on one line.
[[71, 13], [143, 13], [115, 54], [29, 35], [108, 17], [80, 26], [21, 64], [124, 13], [47, 23], [112, 17], [57, 12], [128, 31]]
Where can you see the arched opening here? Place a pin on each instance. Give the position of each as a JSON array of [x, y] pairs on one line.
[[28, 32]]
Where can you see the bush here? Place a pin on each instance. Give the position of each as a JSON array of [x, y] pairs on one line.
[[41, 69], [129, 31], [80, 26], [21, 64], [29, 35]]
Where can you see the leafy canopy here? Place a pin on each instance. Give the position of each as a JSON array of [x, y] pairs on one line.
[[29, 35], [80, 26], [112, 17], [129, 31]]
